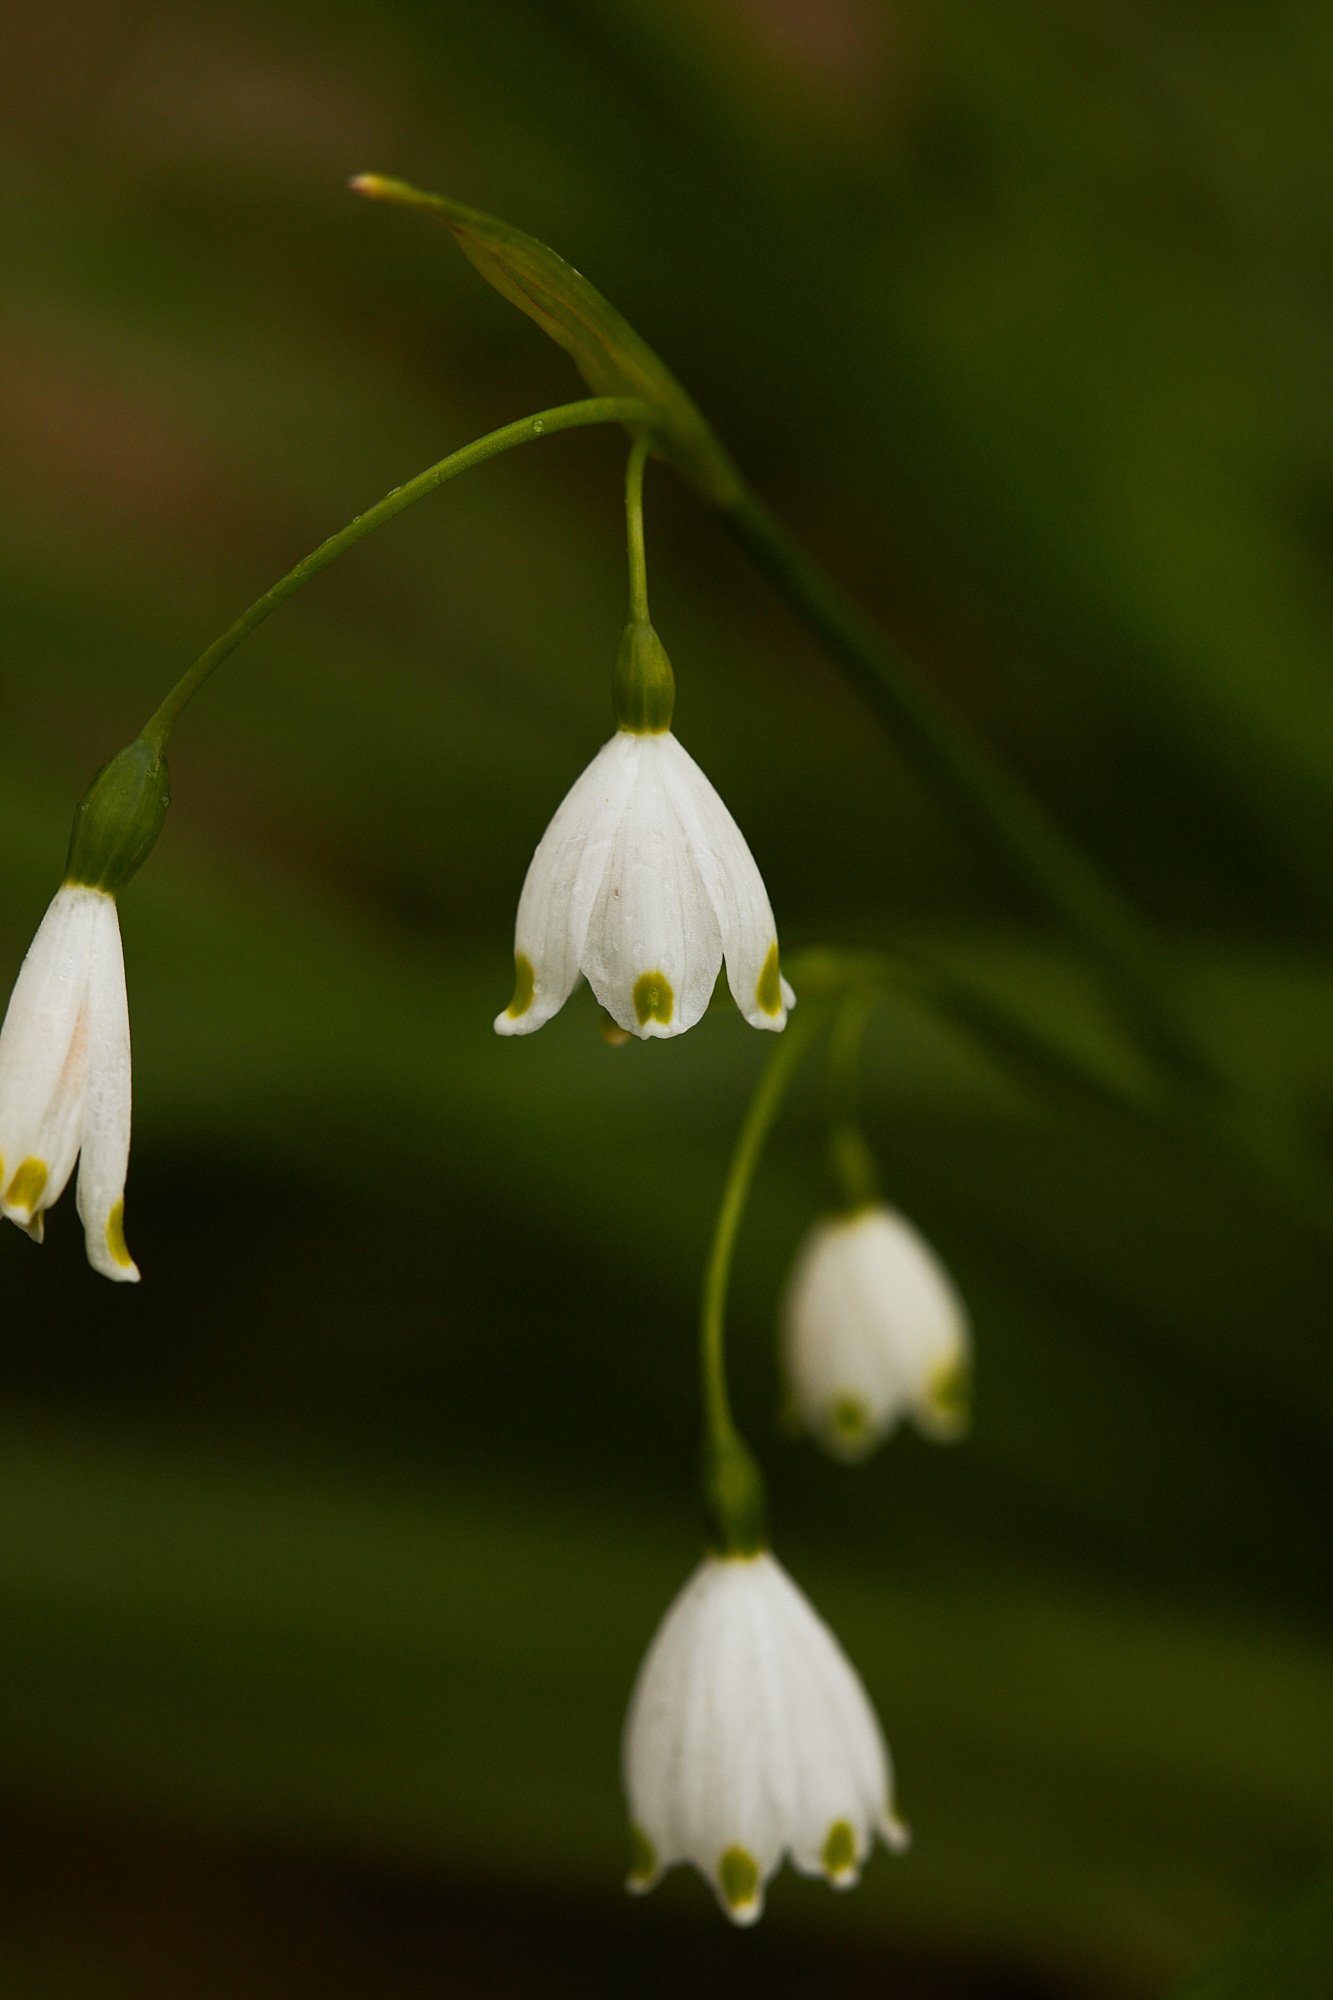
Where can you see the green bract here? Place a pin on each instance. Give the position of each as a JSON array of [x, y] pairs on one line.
[[118, 818], [608, 353]]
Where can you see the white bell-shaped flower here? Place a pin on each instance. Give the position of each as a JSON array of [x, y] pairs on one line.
[[643, 883], [750, 1737], [873, 1330], [65, 1076]]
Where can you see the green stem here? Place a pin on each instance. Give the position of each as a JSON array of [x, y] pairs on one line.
[[733, 1483], [1265, 1163], [566, 417], [1001, 813], [850, 1157], [638, 563]]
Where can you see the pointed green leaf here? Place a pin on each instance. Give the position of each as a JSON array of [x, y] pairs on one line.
[[608, 353]]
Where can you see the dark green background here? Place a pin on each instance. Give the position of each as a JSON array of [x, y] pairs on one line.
[[326, 1557]]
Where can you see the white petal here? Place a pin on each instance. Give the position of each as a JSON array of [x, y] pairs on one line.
[[839, 1369], [843, 1759], [106, 1121], [58, 1143], [925, 1321], [750, 1785], [655, 1724], [694, 1743], [561, 885], [735, 889], [653, 947], [43, 1057]]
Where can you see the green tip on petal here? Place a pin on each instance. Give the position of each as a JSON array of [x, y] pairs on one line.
[[26, 1188], [768, 991], [738, 1878], [839, 1854], [653, 998], [947, 1409], [850, 1432], [643, 1868], [525, 985], [115, 1237]]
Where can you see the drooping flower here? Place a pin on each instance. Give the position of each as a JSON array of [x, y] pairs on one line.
[[873, 1330], [65, 1076], [749, 1737], [643, 882], [65, 1043]]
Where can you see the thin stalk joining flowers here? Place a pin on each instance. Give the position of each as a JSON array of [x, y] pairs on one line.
[[1268, 1161], [546, 423], [850, 1157], [734, 1481], [1009, 822]]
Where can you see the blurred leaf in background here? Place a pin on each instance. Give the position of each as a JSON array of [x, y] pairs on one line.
[[327, 1557]]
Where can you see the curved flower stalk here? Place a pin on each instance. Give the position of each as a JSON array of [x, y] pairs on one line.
[[749, 1738], [873, 1330], [65, 1076], [643, 883]]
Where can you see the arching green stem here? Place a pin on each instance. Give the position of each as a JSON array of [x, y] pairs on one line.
[[1268, 1162], [733, 1484], [1006, 820], [547, 423], [643, 687]]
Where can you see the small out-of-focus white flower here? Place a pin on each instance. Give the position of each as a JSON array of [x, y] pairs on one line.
[[643, 882], [65, 1076], [750, 1737], [873, 1330]]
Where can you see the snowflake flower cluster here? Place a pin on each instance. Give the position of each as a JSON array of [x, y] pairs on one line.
[[750, 1738]]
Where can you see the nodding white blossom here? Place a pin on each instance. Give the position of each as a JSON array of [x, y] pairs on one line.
[[65, 1076], [873, 1330], [750, 1737], [643, 882]]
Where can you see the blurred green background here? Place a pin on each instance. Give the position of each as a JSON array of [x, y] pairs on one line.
[[327, 1556]]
